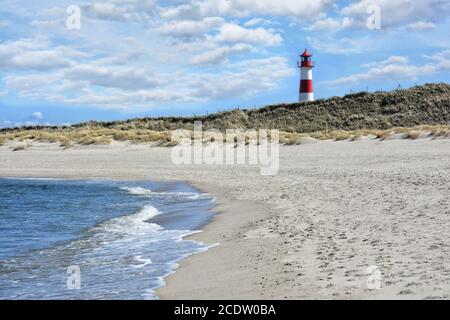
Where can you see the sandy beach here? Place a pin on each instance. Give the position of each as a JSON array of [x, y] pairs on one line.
[[334, 210]]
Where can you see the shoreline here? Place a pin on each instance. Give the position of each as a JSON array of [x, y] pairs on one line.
[[310, 232], [223, 230], [211, 235], [192, 232]]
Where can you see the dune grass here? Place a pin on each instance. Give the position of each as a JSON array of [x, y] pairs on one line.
[[68, 137], [438, 131], [92, 136]]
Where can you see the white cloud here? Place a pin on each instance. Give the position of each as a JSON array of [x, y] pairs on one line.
[[339, 46], [8, 49], [114, 77], [32, 85], [47, 23], [397, 68], [398, 60], [190, 28], [232, 33], [220, 54], [399, 13], [329, 23], [120, 59], [227, 32], [239, 80], [36, 54], [120, 10], [37, 115], [106, 11], [442, 56], [406, 14], [235, 80], [332, 24], [421, 25], [243, 8], [119, 80], [212, 40], [257, 21], [145, 5], [38, 60]]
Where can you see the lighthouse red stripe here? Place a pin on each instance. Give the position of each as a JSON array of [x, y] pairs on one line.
[[306, 86]]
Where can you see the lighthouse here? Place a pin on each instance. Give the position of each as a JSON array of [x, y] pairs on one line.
[[306, 80]]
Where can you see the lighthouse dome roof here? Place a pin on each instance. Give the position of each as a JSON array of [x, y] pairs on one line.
[[306, 53]]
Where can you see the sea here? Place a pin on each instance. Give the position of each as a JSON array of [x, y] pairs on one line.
[[95, 239]]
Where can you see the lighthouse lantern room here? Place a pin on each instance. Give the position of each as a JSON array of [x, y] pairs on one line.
[[306, 80]]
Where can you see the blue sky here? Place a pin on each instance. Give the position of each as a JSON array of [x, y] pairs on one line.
[[133, 58]]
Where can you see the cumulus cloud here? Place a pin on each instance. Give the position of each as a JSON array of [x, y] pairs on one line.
[[442, 56], [257, 21], [334, 24], [107, 11], [239, 80], [36, 54], [213, 40], [118, 79], [243, 8], [190, 28], [120, 10], [37, 60], [399, 60], [235, 80], [339, 46], [397, 68], [227, 32], [329, 23], [220, 54], [37, 115], [403, 14], [47, 23], [230, 33], [123, 78], [32, 85], [421, 25], [399, 13], [10, 48]]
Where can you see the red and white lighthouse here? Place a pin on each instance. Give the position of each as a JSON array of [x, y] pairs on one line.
[[306, 80]]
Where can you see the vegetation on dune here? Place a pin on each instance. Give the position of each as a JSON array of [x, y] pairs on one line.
[[409, 112], [436, 131], [83, 136]]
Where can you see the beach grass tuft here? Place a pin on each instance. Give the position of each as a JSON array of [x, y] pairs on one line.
[[19, 148]]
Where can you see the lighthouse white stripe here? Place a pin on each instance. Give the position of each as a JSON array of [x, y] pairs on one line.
[[306, 96], [306, 73]]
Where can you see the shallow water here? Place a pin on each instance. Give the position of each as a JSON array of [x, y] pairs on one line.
[[123, 236]]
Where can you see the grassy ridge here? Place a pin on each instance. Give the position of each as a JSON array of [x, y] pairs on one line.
[[419, 108]]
